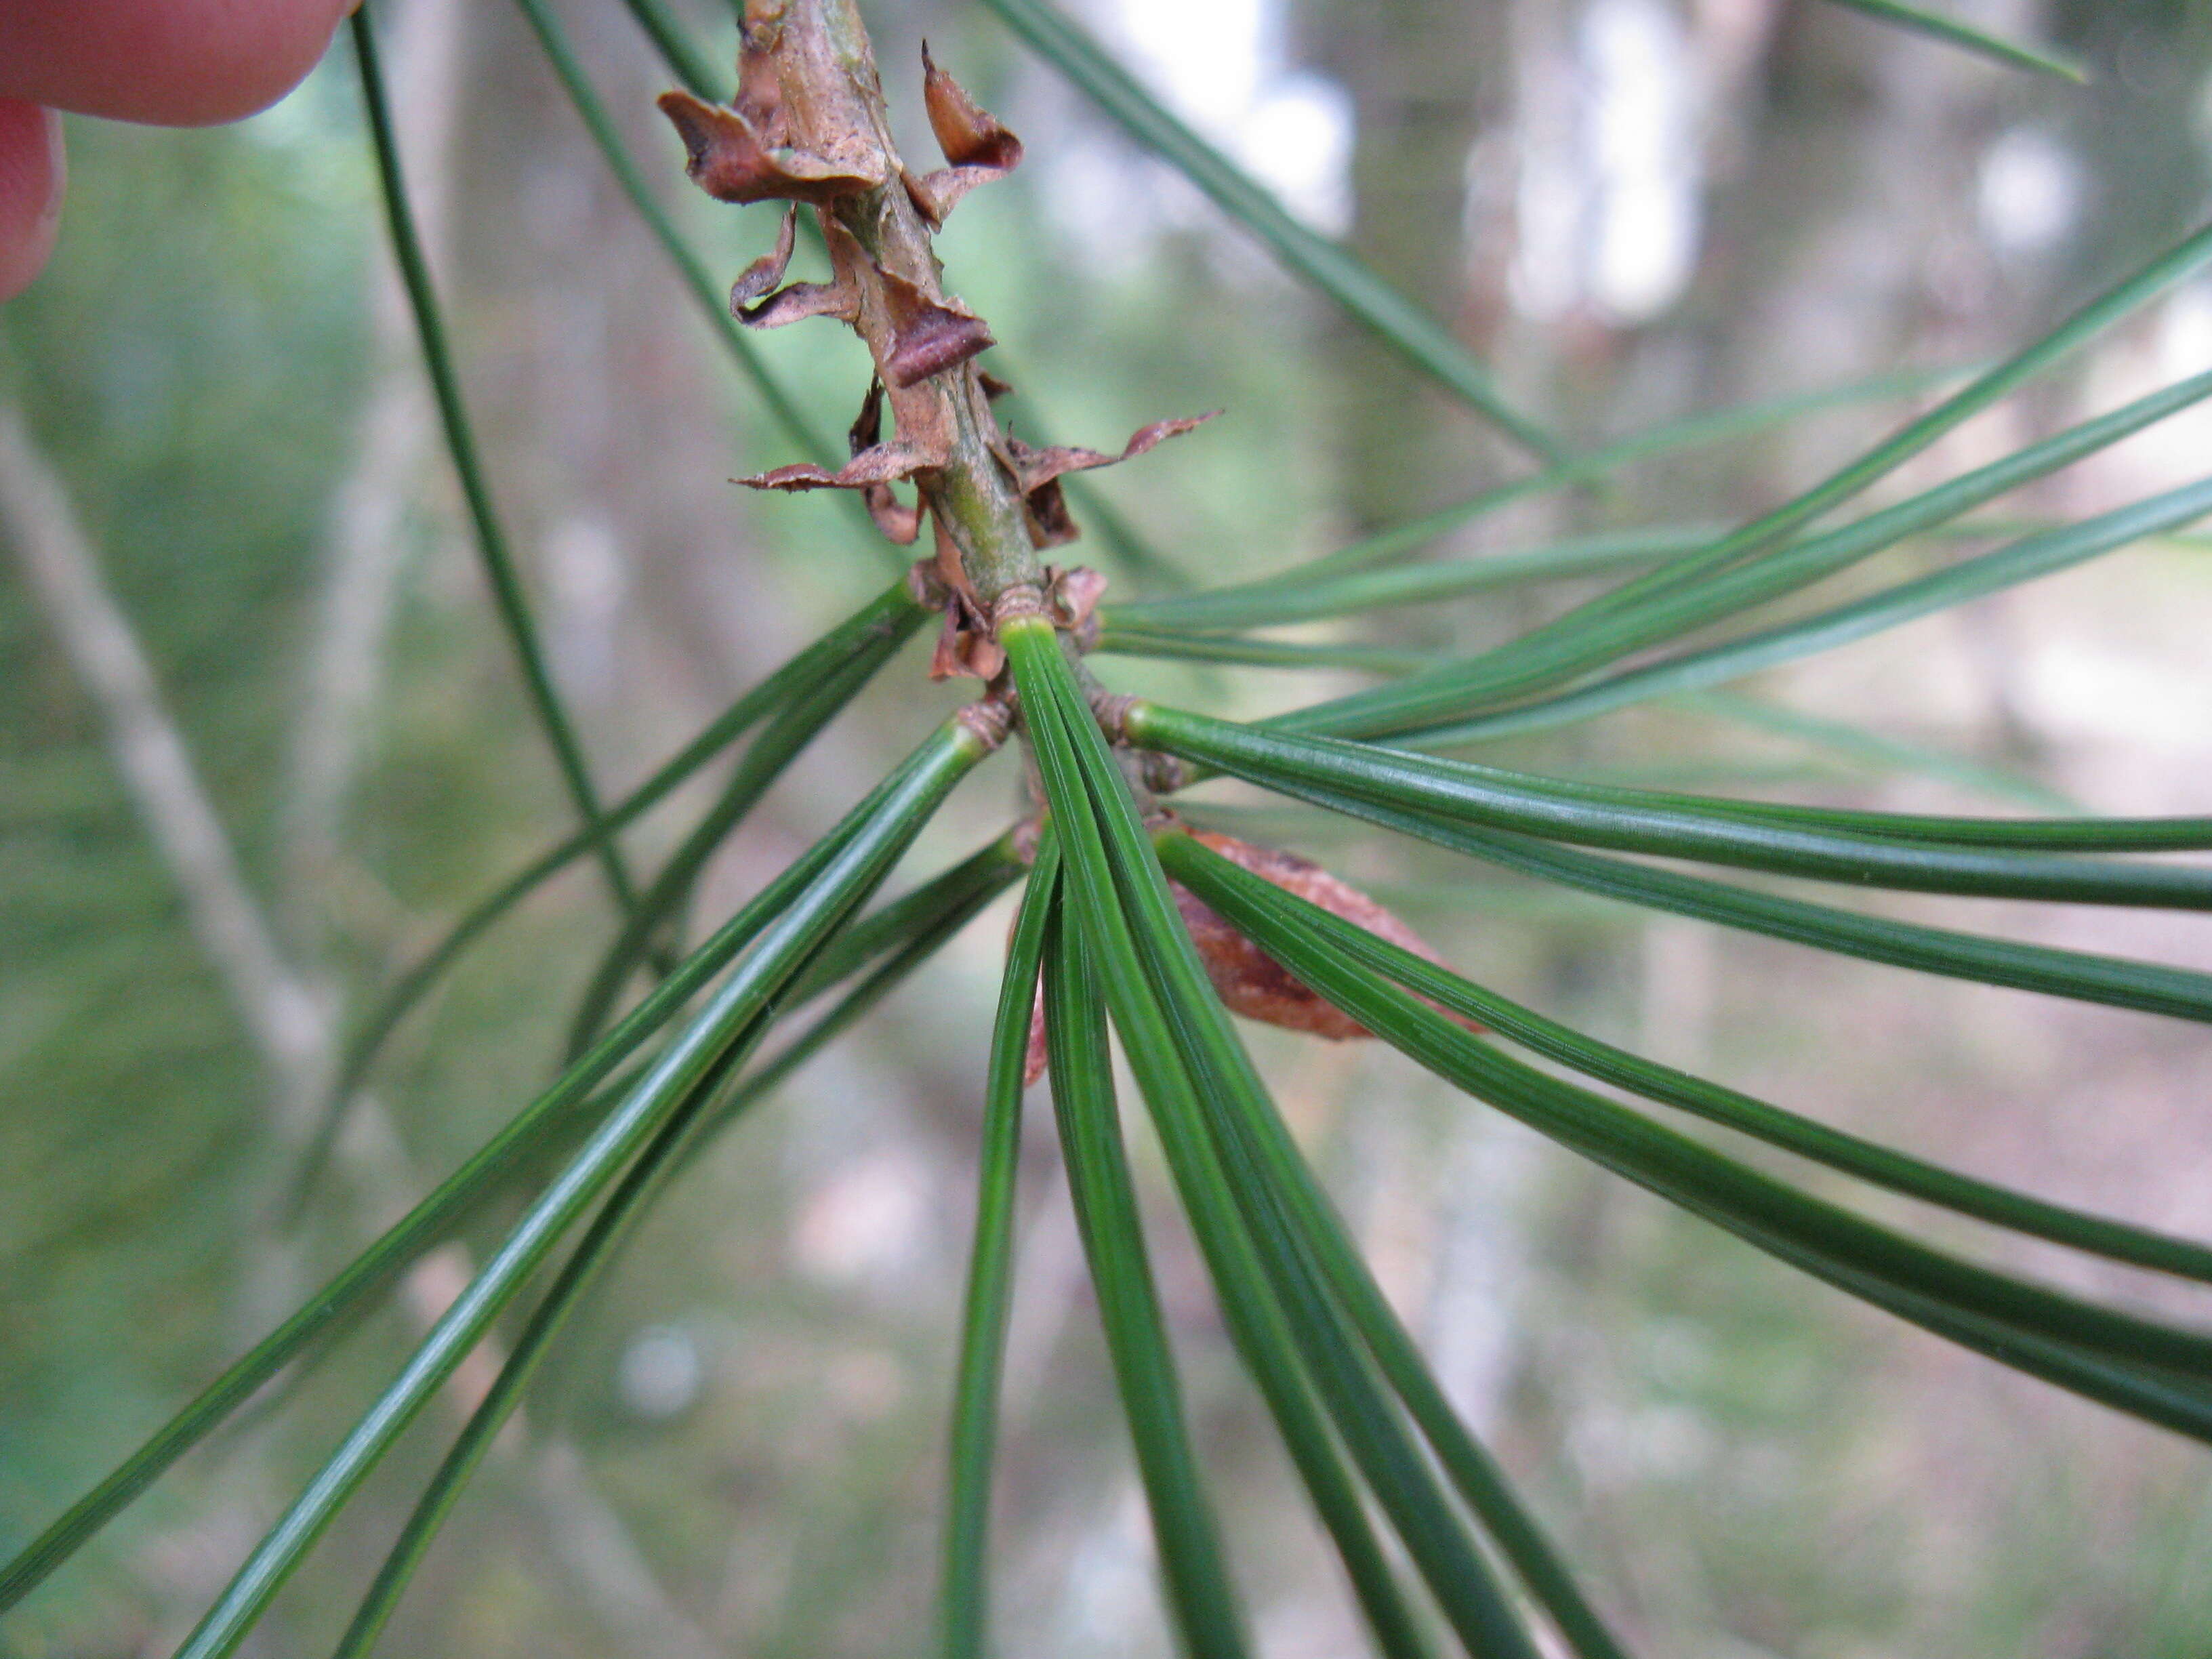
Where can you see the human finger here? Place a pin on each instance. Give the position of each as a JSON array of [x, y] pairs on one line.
[[175, 63], [30, 191]]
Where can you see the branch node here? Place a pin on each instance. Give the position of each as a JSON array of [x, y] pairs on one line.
[[1111, 710], [987, 720], [1022, 600]]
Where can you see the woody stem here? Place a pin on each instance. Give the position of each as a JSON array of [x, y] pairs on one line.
[[833, 92]]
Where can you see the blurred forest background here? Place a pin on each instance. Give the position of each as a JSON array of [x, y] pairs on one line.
[[213, 405]]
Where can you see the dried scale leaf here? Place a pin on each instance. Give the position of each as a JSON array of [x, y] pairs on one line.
[[729, 159], [928, 336], [1038, 472], [901, 524], [1252, 983], [965, 650], [1247, 979], [743, 151], [967, 647], [885, 463], [1038, 467], [796, 303], [979, 149], [1070, 599], [1035, 1059], [900, 521], [762, 276], [955, 336], [757, 302], [969, 135]]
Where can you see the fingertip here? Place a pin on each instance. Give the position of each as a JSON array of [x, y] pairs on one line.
[[252, 75], [31, 178], [221, 74], [182, 62]]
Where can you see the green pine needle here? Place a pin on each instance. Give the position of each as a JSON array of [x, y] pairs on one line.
[[811, 707], [1403, 326], [2013, 54], [2159, 1371], [461, 443], [963, 1592], [528, 1134], [895, 609], [1253, 904], [1985, 858]]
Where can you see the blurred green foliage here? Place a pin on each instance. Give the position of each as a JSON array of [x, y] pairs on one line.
[[193, 363]]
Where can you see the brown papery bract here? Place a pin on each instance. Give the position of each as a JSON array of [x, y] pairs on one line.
[[1247, 979], [981, 150]]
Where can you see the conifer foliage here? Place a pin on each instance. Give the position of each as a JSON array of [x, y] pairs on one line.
[[1138, 924]]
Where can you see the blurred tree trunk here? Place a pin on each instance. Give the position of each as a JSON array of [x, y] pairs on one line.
[[1428, 80], [609, 420], [1425, 77], [1841, 218]]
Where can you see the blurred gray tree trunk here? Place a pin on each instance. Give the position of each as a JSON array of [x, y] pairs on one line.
[[1427, 80], [614, 446], [1840, 211], [1423, 76]]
